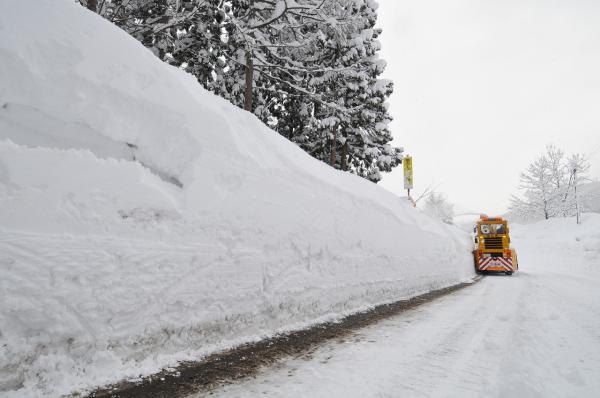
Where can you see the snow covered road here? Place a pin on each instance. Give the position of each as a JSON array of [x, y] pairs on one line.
[[536, 333]]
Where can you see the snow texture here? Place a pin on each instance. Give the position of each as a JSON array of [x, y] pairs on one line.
[[534, 334], [145, 221]]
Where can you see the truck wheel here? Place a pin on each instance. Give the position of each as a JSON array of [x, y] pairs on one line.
[[509, 273]]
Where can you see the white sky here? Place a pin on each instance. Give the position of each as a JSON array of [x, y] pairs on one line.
[[482, 86]]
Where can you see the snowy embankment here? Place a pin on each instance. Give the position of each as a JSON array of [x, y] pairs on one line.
[[560, 245], [144, 221], [533, 334]]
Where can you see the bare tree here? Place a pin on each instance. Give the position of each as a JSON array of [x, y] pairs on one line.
[[578, 167], [550, 186], [436, 205]]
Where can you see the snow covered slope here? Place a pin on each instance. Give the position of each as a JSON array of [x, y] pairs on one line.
[[590, 197], [561, 245], [144, 221]]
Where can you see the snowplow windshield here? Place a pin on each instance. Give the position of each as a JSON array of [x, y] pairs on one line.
[[489, 229]]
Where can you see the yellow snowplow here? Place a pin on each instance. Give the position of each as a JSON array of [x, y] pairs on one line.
[[492, 252]]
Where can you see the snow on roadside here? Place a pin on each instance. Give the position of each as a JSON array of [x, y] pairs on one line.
[[578, 245], [144, 221]]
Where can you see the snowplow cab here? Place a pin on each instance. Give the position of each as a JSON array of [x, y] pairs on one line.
[[492, 251]]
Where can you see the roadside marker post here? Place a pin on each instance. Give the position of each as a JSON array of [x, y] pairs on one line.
[[408, 176]]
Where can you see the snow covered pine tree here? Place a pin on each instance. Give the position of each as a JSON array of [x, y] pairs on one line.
[[309, 69], [354, 134]]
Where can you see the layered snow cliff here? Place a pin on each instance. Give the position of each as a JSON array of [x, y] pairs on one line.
[[144, 221]]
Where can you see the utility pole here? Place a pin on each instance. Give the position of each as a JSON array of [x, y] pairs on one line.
[[576, 197]]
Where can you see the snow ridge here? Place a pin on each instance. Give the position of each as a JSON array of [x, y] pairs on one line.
[[109, 271]]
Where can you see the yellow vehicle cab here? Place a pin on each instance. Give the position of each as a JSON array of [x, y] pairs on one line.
[[492, 251]]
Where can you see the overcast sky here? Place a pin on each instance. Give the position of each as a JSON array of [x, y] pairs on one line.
[[482, 86]]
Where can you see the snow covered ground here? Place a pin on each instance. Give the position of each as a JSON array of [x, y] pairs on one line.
[[144, 221], [534, 334]]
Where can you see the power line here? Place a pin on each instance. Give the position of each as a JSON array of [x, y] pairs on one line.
[[594, 152]]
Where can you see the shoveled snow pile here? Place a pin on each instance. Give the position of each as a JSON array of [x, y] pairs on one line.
[[144, 221]]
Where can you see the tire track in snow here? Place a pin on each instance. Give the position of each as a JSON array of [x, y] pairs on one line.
[[525, 335], [451, 360]]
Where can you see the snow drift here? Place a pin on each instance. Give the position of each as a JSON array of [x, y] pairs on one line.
[[560, 245], [146, 221], [590, 197]]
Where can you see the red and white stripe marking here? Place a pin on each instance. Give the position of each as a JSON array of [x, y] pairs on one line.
[[487, 262]]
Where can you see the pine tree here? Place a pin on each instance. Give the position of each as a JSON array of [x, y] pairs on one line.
[[307, 68], [354, 133]]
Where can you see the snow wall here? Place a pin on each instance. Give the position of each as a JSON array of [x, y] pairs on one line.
[[145, 221]]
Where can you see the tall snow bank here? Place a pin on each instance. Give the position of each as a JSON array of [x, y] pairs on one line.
[[144, 221]]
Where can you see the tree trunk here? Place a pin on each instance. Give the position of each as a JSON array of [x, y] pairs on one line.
[[92, 5], [249, 82], [333, 145], [345, 156]]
